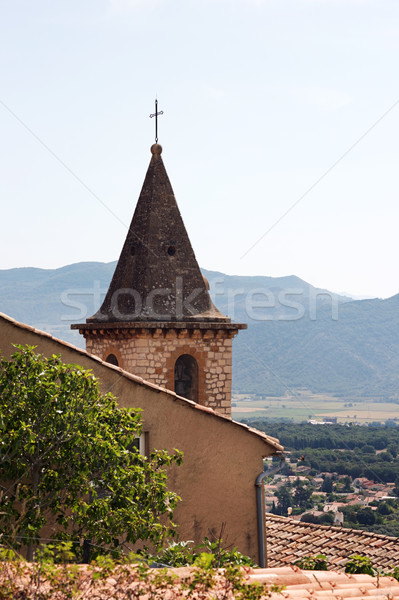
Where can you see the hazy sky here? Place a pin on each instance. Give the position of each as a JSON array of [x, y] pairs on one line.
[[263, 101]]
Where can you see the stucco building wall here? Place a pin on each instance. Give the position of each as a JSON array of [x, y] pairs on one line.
[[221, 458]]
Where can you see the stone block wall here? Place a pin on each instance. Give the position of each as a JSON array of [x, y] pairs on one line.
[[152, 354]]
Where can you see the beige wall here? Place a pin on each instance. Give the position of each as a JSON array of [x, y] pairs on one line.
[[221, 459]]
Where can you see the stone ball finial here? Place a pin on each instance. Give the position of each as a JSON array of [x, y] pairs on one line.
[[156, 149], [206, 282]]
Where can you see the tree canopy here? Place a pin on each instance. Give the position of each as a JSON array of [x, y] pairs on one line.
[[357, 445], [68, 457]]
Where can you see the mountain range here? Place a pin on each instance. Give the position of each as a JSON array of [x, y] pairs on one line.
[[299, 337]]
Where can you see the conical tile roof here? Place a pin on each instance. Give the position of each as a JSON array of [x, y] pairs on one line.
[[157, 277]]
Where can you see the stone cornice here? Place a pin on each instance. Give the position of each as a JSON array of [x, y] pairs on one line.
[[159, 325], [133, 328]]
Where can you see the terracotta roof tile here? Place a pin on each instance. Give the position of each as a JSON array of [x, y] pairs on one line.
[[298, 585], [325, 585], [289, 540]]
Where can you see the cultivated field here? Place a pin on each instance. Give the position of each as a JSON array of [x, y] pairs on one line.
[[305, 406]]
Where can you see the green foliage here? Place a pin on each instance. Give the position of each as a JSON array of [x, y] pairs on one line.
[[284, 500], [223, 556], [359, 564], [327, 485], [309, 518], [393, 449], [368, 449], [108, 578], [67, 454], [312, 563], [327, 518], [205, 560], [384, 509], [338, 450], [44, 579], [55, 553], [203, 577], [176, 554], [394, 573], [330, 437], [365, 516], [347, 488], [203, 580], [243, 590], [356, 445], [181, 554], [350, 514]]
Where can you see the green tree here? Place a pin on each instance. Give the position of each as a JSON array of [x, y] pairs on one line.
[[350, 515], [384, 509], [302, 496], [347, 485], [284, 500], [387, 456], [359, 564], [309, 518], [368, 449], [393, 449], [366, 516], [67, 453], [327, 485], [327, 518]]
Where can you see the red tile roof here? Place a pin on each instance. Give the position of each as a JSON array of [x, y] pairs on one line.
[[125, 582], [288, 540], [325, 585]]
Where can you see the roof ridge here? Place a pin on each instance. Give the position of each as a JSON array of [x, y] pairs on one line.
[[362, 532], [206, 410]]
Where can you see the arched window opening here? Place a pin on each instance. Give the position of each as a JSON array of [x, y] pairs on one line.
[[112, 360], [186, 377]]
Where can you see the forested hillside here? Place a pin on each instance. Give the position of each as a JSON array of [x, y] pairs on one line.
[[356, 354], [298, 337], [349, 473], [346, 450]]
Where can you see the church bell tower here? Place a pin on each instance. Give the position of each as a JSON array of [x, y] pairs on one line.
[[157, 320]]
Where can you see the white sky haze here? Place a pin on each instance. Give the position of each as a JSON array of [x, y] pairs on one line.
[[271, 108]]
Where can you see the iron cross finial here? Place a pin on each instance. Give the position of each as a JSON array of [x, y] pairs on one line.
[[156, 113]]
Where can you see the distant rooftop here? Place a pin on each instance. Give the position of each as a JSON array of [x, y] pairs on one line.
[[289, 540]]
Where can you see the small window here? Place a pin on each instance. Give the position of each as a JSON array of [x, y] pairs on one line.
[[112, 360], [140, 443], [172, 250], [186, 377]]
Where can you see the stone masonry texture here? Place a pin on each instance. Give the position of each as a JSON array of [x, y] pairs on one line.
[[151, 354]]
